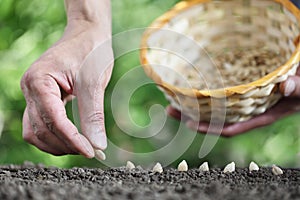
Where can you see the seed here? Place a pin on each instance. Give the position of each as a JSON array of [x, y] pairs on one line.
[[229, 168], [130, 165], [227, 66], [276, 170], [81, 171], [204, 167], [99, 154], [158, 168], [240, 66], [182, 167], [253, 167]]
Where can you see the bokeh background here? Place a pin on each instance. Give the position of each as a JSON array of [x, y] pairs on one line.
[[29, 27]]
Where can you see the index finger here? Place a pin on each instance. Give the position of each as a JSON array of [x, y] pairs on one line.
[[52, 111]]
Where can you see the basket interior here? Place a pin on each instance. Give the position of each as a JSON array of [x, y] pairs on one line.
[[203, 46]]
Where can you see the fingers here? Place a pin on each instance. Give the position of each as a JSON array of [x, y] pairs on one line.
[[285, 107], [291, 87], [31, 138], [54, 116], [176, 114], [230, 130], [91, 113], [42, 133], [204, 127], [50, 114], [90, 87]]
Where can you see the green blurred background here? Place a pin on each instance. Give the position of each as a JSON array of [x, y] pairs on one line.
[[29, 27]]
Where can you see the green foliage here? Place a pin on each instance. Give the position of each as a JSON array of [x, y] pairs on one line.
[[29, 27]]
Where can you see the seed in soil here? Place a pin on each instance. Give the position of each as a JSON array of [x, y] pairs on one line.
[[130, 165], [253, 167], [25, 182], [229, 168], [158, 168], [99, 154], [183, 166], [204, 167], [276, 170]]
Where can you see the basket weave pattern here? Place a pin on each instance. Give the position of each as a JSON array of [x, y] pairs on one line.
[[217, 27]]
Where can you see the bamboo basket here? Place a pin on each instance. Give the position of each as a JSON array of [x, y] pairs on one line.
[[172, 51]]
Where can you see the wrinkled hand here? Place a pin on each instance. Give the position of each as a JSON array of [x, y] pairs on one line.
[[54, 79], [288, 105]]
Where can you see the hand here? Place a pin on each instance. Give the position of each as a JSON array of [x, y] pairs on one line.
[[54, 79], [286, 106]]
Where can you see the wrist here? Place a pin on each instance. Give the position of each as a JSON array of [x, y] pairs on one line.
[[93, 17], [93, 11]]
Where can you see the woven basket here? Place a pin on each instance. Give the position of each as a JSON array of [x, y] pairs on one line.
[[172, 52]]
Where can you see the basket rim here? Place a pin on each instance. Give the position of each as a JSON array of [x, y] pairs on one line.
[[222, 92]]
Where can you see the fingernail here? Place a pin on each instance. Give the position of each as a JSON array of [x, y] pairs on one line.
[[98, 140], [99, 154], [289, 88], [96, 135]]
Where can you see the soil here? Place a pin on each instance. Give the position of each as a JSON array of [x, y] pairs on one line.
[[38, 182]]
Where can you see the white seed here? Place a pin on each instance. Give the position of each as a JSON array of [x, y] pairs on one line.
[[229, 168], [227, 66], [99, 154], [81, 171], [240, 67], [204, 167], [253, 167], [276, 170], [130, 165], [158, 168], [182, 167]]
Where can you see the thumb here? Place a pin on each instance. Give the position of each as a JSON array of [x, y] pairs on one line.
[[291, 87], [91, 82], [91, 114]]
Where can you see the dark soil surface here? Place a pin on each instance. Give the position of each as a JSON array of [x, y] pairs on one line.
[[37, 182]]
